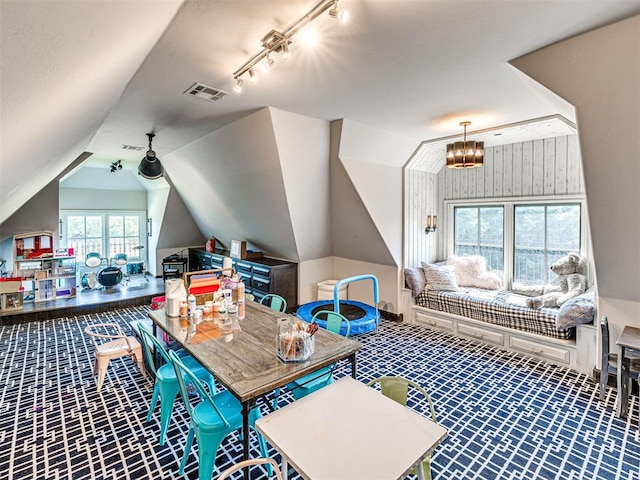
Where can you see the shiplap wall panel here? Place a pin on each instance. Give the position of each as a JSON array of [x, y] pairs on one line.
[[488, 173], [531, 168], [421, 199], [574, 169], [497, 172], [561, 166], [516, 188], [538, 168], [527, 168], [549, 169], [508, 172]]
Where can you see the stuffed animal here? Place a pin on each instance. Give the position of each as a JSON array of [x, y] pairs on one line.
[[570, 282]]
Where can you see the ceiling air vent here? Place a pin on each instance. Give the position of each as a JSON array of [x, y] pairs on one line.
[[131, 147], [207, 93]]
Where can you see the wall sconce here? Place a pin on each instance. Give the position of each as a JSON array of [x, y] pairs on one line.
[[149, 228], [431, 227]]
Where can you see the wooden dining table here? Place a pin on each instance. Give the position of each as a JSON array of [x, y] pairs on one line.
[[245, 362], [629, 340]]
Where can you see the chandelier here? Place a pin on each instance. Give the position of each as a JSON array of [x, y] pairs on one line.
[[465, 154]]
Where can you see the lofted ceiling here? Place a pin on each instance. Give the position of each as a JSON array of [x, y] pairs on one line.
[[93, 76]]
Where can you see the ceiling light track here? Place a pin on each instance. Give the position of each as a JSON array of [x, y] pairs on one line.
[[278, 42]]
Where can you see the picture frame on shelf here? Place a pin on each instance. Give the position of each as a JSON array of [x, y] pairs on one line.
[[238, 249]]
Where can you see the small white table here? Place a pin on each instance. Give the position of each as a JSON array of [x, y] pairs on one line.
[[350, 431]]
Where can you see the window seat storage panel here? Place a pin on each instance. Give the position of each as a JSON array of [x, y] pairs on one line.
[[497, 307]]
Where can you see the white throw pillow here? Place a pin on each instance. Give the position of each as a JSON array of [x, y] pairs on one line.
[[441, 278], [468, 269]]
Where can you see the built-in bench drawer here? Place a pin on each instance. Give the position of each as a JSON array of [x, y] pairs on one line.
[[489, 336], [439, 323], [532, 348]]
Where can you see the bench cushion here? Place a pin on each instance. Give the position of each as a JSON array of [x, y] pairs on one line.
[[498, 307]]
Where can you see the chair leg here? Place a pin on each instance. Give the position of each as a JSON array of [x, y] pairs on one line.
[[275, 399], [137, 357], [187, 449], [604, 376], [154, 401], [167, 399], [207, 450], [102, 370]]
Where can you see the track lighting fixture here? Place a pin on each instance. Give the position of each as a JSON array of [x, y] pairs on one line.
[[252, 75], [115, 166], [279, 42], [150, 167]]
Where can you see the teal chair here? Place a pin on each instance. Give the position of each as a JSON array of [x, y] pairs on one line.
[[320, 378], [215, 417], [274, 302], [397, 388], [166, 385]]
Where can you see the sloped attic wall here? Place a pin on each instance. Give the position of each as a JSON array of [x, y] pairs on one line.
[[254, 178], [603, 87], [366, 180]]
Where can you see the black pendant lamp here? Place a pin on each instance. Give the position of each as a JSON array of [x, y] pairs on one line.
[[150, 167]]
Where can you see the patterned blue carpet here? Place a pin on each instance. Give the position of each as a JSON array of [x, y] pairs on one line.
[[508, 416]]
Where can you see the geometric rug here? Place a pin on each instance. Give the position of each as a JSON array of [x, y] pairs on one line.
[[508, 416]]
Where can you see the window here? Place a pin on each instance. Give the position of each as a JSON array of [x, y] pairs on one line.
[[543, 233], [480, 231], [107, 233], [519, 237]]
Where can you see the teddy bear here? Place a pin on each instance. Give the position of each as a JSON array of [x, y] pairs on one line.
[[570, 282]]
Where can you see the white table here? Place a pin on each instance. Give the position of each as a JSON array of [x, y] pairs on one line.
[[350, 431]]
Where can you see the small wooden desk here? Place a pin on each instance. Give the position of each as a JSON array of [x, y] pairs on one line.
[[347, 431], [629, 339], [246, 362]]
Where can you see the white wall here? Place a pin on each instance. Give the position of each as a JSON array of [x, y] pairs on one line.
[[599, 73], [99, 199], [232, 184], [303, 148]]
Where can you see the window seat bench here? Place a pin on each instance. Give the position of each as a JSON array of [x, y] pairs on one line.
[[500, 318]]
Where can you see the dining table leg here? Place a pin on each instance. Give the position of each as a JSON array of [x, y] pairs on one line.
[[624, 364], [352, 358], [246, 408]]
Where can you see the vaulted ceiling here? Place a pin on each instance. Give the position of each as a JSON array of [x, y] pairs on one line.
[[93, 76]]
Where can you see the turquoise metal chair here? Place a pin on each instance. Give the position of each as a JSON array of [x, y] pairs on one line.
[[215, 417], [397, 388], [166, 385], [274, 302], [323, 377]]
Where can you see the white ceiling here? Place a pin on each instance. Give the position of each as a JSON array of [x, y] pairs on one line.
[[92, 76]]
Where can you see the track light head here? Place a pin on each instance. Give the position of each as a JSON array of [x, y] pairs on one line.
[[252, 75], [286, 53], [336, 13], [238, 86]]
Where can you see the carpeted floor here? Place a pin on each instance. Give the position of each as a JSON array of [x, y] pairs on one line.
[[509, 417]]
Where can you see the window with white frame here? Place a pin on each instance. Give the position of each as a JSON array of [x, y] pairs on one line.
[[106, 233], [518, 237]]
